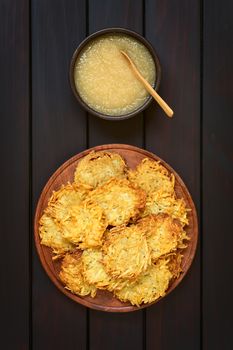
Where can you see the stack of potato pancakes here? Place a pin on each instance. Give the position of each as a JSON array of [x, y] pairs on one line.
[[117, 229]]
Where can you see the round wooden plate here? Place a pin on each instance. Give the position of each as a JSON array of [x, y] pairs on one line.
[[104, 300]]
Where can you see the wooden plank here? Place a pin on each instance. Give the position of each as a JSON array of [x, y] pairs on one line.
[[14, 205], [59, 131], [127, 14], [217, 175], [115, 331], [174, 31]]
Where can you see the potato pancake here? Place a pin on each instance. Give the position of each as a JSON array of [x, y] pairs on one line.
[[51, 235], [120, 200], [72, 277], [174, 264], [62, 201], [150, 285], [95, 272], [162, 202], [151, 176], [85, 225], [98, 167], [126, 252], [163, 234]]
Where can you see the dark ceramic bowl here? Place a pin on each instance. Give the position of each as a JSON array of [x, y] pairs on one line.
[[114, 31]]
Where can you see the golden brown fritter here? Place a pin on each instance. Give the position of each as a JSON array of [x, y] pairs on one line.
[[151, 176], [62, 201], [58, 209], [174, 264], [51, 235], [85, 225], [120, 200], [72, 277], [162, 202], [98, 167], [126, 253], [95, 272], [163, 234], [150, 285]]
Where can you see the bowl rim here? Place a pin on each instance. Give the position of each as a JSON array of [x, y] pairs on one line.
[[106, 31]]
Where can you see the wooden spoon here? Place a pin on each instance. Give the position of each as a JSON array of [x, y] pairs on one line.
[[149, 88]]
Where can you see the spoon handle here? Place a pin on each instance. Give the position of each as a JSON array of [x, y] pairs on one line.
[[149, 88]]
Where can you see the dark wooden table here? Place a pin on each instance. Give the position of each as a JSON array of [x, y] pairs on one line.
[[42, 125]]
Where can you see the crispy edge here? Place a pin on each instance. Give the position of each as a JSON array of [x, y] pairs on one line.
[[72, 277], [58, 249], [139, 195], [151, 222], [114, 235], [161, 199], [133, 292], [105, 282], [85, 238], [175, 263], [90, 157], [152, 165]]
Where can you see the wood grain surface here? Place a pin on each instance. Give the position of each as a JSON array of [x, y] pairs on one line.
[[15, 175], [217, 180], [42, 125], [59, 130]]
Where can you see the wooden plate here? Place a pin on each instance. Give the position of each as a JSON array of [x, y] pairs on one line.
[[104, 300]]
